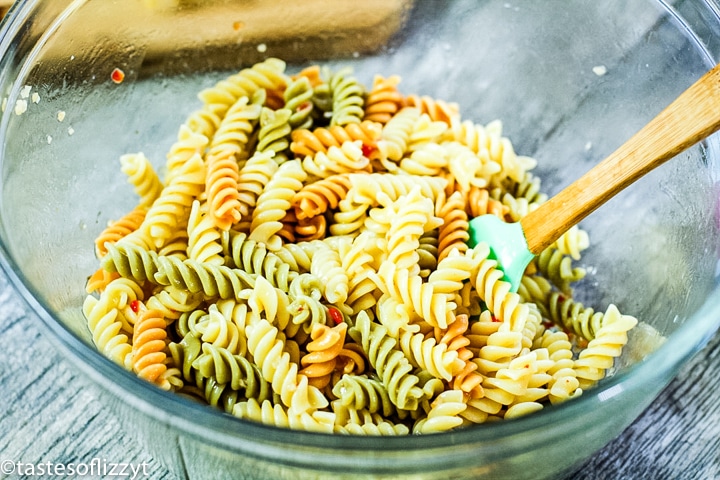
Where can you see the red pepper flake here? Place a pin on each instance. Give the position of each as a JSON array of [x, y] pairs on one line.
[[117, 75], [494, 318], [367, 150], [336, 315], [135, 306], [237, 26], [304, 106]]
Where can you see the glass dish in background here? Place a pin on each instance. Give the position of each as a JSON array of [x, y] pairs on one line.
[[570, 81]]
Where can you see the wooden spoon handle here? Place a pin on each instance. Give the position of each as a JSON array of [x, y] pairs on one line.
[[693, 116]]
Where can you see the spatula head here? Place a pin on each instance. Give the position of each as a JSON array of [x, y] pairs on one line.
[[507, 245]]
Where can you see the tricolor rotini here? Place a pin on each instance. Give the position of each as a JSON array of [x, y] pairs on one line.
[[303, 262]]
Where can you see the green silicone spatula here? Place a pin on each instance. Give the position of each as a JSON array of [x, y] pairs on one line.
[[693, 116]]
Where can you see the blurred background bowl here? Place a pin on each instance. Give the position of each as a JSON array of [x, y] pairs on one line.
[[569, 80]]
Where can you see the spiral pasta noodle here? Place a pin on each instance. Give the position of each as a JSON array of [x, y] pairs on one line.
[[203, 239], [143, 177], [318, 197], [104, 320], [453, 233], [304, 263], [254, 257], [118, 229], [220, 395], [274, 132], [298, 99], [444, 414], [395, 138], [362, 422], [293, 387], [392, 367], [347, 158], [169, 212], [437, 110], [274, 202], [233, 370], [347, 98], [268, 75], [148, 348], [308, 143], [383, 100], [189, 144], [321, 358], [274, 414], [252, 179], [359, 392], [236, 127], [598, 357]]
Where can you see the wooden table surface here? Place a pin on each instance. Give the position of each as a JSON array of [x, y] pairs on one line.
[[45, 417]]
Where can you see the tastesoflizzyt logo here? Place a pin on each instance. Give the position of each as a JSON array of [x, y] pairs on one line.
[[96, 467]]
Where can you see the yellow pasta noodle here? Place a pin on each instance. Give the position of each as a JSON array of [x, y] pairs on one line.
[[142, 176]]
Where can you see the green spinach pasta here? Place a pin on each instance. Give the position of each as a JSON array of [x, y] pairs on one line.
[[301, 260]]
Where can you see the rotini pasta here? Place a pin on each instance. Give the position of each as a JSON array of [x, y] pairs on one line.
[[274, 132], [142, 176], [268, 75], [104, 320], [119, 229], [347, 158], [347, 98], [298, 99], [318, 197], [148, 348], [392, 367], [437, 110], [383, 100], [304, 264], [252, 179], [322, 351], [235, 130], [308, 143], [274, 202], [393, 143], [203, 239], [234, 370], [170, 211]]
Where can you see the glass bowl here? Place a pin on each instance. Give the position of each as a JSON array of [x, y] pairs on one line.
[[569, 80]]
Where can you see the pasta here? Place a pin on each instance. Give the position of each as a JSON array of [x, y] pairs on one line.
[[142, 176], [347, 98], [304, 263], [298, 99], [316, 198], [274, 201], [203, 243], [148, 348], [118, 229], [274, 132], [383, 100], [306, 142], [438, 110]]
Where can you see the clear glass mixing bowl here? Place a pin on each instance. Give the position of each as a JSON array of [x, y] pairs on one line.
[[570, 81]]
